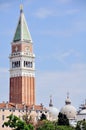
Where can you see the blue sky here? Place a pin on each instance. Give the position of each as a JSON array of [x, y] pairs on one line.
[[58, 30]]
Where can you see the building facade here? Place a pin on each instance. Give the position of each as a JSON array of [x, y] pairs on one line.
[[22, 65], [33, 112]]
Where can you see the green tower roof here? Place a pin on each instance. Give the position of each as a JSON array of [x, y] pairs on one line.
[[22, 33]]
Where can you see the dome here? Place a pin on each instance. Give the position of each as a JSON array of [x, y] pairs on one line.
[[83, 111], [53, 111], [83, 108], [68, 109]]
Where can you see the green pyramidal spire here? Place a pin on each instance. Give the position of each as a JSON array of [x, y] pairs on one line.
[[22, 33]]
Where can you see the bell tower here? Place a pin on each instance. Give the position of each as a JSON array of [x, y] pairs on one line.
[[22, 65]]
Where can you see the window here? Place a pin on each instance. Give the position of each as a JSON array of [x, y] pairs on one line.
[[3, 125], [37, 111], [15, 64], [19, 110], [24, 63], [2, 109], [3, 117], [19, 63], [28, 64], [31, 64]]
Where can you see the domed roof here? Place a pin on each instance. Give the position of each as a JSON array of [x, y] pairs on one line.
[[68, 109], [83, 108], [83, 111], [53, 111]]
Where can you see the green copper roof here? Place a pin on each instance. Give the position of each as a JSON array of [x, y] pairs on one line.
[[22, 33]]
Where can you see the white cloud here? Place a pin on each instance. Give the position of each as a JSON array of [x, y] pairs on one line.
[[7, 32], [59, 32], [67, 54], [74, 28], [80, 25], [43, 13], [60, 82], [5, 6], [3, 70], [46, 12], [71, 11], [62, 56], [4, 83]]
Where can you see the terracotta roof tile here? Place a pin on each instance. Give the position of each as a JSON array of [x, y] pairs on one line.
[[21, 106]]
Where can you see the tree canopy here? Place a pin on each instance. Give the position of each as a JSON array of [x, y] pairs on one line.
[[46, 125], [17, 124], [62, 119], [81, 125]]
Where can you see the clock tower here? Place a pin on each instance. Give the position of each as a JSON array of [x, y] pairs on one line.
[[22, 65]]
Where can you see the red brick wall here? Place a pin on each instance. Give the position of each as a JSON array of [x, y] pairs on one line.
[[22, 90], [22, 47]]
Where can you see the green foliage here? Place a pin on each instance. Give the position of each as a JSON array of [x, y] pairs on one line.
[[17, 124], [78, 125], [46, 125], [64, 128], [62, 119], [81, 125]]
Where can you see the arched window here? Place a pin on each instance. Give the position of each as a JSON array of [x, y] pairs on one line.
[[19, 63], [24, 63], [28, 64], [3, 117], [15, 64]]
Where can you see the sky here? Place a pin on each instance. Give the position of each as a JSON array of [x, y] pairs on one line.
[[58, 31]]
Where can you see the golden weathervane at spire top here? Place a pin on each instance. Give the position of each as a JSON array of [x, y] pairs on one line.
[[21, 8]]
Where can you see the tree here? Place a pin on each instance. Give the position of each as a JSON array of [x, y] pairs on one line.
[[62, 127], [62, 119], [46, 125], [17, 124], [81, 125], [49, 125]]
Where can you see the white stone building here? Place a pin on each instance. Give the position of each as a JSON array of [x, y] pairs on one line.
[[20, 110]]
